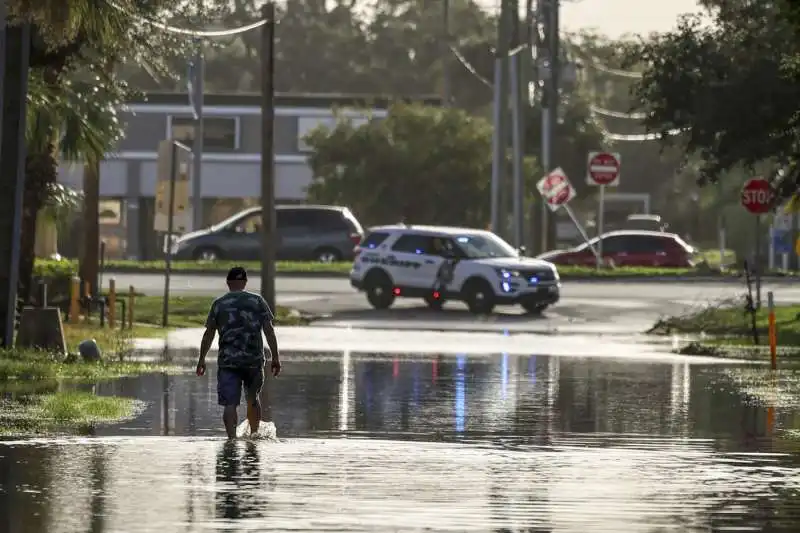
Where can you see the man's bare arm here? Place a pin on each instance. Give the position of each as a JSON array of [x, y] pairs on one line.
[[205, 344], [272, 341]]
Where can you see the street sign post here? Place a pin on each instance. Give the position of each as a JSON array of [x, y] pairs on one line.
[[172, 202], [757, 196], [557, 191], [182, 207], [602, 170]]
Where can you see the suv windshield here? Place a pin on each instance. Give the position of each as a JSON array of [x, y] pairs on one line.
[[482, 246]]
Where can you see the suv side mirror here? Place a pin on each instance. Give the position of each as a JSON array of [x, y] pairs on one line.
[[522, 250]]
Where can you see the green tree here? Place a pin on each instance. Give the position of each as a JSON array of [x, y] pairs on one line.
[[726, 86], [422, 164], [74, 93]]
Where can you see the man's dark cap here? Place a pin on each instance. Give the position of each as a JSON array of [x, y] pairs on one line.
[[237, 274]]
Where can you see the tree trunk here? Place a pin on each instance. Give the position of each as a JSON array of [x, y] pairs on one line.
[[41, 169], [17, 39], [90, 245]]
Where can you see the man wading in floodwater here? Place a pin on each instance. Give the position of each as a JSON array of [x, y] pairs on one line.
[[240, 317]]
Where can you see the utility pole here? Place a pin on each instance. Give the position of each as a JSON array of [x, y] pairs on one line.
[[447, 87], [268, 233], [14, 60], [549, 17], [198, 68], [501, 123]]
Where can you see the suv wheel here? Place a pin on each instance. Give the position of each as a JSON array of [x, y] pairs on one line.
[[327, 255], [378, 287], [434, 303], [207, 254], [479, 297]]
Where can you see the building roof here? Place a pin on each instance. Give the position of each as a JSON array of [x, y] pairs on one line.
[[325, 101]]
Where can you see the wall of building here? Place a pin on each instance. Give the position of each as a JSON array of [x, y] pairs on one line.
[[232, 172]]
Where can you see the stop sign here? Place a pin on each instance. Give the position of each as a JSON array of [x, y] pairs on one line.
[[556, 189], [757, 196]]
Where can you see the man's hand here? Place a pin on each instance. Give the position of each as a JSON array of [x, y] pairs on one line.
[[275, 366], [201, 366]]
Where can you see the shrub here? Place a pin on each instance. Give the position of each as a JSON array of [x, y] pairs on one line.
[[58, 277]]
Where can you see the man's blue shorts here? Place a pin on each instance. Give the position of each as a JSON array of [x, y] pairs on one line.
[[231, 380]]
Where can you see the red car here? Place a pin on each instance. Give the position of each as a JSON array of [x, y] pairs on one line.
[[630, 248]]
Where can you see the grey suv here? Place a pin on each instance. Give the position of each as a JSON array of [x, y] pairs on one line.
[[305, 232]]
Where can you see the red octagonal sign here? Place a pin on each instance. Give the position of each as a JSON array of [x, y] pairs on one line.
[[603, 168], [757, 196]]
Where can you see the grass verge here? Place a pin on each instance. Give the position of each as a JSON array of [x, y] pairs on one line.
[[184, 312], [29, 368], [343, 268], [69, 411], [192, 311], [727, 330]]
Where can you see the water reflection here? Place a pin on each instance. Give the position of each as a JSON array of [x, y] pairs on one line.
[[495, 443], [239, 483]]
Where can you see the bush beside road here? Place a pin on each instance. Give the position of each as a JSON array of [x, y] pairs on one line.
[[342, 269]]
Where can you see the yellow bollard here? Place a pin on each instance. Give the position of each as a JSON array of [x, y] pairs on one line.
[[773, 334], [74, 300], [131, 298], [87, 290], [112, 303]]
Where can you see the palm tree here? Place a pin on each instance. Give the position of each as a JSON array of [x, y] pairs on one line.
[[74, 121], [73, 102]]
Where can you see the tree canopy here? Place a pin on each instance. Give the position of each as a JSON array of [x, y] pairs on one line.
[[726, 91], [425, 165]]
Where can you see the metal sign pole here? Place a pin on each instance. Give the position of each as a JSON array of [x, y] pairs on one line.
[[517, 148], [758, 261], [197, 147], [173, 173], [600, 216], [581, 231], [497, 153]]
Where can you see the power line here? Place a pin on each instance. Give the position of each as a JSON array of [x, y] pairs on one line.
[[189, 33], [469, 68], [615, 71], [593, 109]]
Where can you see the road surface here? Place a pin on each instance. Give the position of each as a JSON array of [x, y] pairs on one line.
[[591, 305], [458, 443]]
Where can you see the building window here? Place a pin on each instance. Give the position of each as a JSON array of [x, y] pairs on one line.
[[220, 134]]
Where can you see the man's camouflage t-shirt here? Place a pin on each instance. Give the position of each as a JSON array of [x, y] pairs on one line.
[[239, 318]]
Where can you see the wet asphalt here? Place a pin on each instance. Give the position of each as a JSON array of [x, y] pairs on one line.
[[456, 443]]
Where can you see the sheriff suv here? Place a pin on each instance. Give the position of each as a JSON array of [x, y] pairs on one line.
[[444, 263]]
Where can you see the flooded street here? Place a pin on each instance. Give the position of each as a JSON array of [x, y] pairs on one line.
[[385, 443]]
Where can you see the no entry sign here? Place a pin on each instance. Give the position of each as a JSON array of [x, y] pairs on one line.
[[757, 196], [556, 189], [602, 168]]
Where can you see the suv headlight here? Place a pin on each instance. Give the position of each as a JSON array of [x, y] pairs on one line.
[[507, 273]]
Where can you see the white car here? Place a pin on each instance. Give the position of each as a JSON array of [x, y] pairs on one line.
[[438, 263]]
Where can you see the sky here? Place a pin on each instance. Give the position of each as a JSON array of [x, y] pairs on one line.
[[615, 18]]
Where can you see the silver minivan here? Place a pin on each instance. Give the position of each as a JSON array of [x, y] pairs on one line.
[[305, 233]]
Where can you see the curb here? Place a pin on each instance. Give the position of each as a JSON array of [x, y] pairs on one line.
[[219, 272], [580, 278]]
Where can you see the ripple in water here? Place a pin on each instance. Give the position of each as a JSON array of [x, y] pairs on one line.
[[370, 485]]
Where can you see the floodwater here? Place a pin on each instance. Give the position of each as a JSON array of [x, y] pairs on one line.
[[398, 444]]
